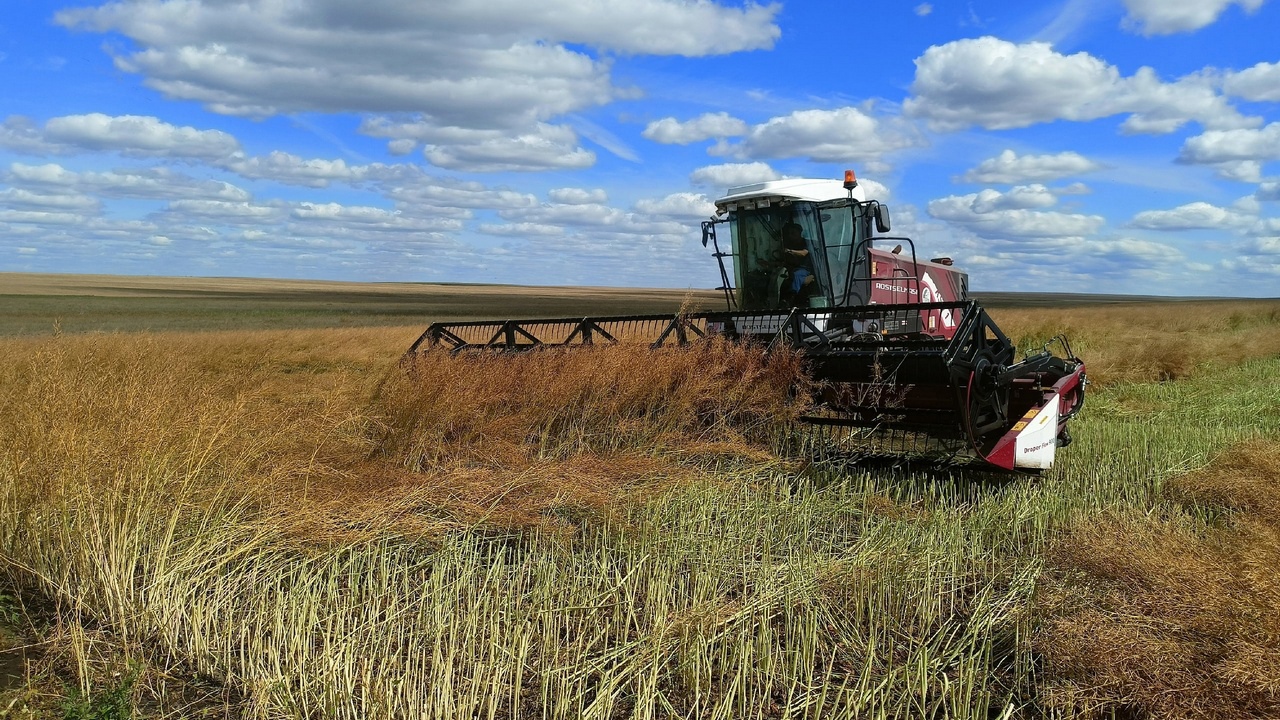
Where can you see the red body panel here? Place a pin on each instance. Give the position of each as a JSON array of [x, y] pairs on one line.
[[896, 279]]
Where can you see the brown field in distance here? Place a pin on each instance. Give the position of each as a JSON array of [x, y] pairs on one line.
[[32, 303]]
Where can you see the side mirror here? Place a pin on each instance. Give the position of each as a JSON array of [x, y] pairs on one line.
[[706, 232], [882, 219]]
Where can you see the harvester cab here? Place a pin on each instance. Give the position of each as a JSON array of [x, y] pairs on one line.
[[847, 259], [904, 362], [762, 258]]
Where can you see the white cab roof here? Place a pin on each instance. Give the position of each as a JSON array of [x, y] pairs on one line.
[[803, 189]]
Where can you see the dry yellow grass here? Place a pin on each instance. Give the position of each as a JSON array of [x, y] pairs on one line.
[[336, 439], [1174, 618], [1152, 342], [559, 403]]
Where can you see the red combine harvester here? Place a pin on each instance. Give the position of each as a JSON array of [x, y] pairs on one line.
[[905, 362]]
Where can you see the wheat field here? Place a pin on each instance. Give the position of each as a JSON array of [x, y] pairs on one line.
[[294, 524]]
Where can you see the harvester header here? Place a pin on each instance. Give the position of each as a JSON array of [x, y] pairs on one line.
[[904, 361]]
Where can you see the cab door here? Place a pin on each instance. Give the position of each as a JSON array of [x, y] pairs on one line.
[[844, 226]]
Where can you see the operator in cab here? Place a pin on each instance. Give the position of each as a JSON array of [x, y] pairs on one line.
[[796, 257]]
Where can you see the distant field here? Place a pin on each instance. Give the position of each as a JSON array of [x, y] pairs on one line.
[[36, 303], [32, 304]]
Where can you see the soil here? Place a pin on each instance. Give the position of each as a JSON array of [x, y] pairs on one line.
[[13, 659]]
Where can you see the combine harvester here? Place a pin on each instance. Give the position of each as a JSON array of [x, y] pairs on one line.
[[904, 362]]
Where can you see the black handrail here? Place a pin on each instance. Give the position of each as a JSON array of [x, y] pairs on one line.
[[709, 232], [915, 264]]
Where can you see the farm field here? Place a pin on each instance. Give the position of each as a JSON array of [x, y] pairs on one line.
[[77, 303], [207, 512], [36, 303]]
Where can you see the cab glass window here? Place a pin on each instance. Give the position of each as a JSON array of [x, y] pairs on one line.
[[764, 274]]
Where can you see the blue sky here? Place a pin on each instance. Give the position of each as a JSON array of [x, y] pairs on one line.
[[1088, 145]]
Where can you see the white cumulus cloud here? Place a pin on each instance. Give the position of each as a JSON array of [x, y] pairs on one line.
[[1247, 171], [468, 62], [223, 211], [681, 206], [578, 196], [21, 199], [1166, 17], [1135, 249], [540, 146], [370, 218], [21, 134], [556, 148], [1260, 83], [670, 131], [141, 183], [732, 174], [875, 190], [439, 194], [283, 167], [1222, 146], [1015, 214], [1008, 168], [481, 77], [41, 217], [130, 135], [521, 229], [1192, 216], [845, 134], [998, 84], [1266, 246], [1023, 197]]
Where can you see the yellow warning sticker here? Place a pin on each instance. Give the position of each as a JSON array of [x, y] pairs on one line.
[[1019, 425]]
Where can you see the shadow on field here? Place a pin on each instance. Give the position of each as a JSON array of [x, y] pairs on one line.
[[914, 477]]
